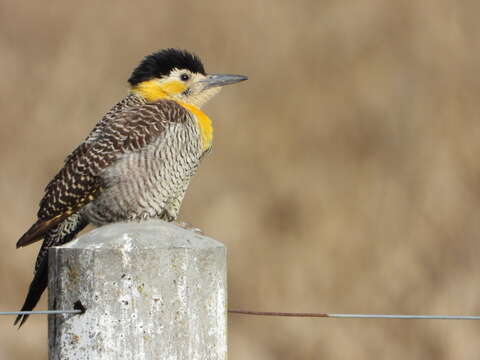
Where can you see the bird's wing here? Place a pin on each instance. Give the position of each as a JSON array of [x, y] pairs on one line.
[[122, 106], [78, 182]]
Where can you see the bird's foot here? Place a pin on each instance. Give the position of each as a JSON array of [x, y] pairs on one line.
[[188, 226]]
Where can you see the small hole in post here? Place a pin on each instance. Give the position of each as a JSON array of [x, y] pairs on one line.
[[79, 306]]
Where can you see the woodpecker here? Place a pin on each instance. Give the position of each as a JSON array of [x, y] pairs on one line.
[[137, 161]]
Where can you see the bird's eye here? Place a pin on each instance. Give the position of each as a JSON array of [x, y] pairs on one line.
[[184, 77]]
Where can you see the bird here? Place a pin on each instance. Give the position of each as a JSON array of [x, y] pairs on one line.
[[137, 161]]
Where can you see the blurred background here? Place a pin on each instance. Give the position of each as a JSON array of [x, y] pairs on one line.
[[344, 175]]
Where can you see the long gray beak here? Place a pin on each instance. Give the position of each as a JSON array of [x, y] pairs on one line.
[[222, 80]]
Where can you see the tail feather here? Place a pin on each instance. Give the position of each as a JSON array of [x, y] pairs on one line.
[[35, 291], [39, 229], [56, 236]]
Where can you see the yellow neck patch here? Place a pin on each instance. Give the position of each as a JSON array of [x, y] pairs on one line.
[[204, 124], [153, 90]]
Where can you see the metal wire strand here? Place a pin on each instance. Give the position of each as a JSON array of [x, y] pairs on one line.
[[78, 308], [287, 314], [356, 316], [41, 312]]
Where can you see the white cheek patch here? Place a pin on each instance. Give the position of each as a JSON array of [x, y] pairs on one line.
[[194, 92], [198, 97], [201, 98]]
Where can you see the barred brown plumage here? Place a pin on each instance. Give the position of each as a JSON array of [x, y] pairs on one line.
[[168, 137], [137, 161]]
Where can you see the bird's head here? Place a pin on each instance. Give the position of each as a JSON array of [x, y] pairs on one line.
[[177, 75]]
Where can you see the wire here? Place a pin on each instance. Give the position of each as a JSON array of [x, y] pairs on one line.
[[287, 314], [356, 316], [41, 312]]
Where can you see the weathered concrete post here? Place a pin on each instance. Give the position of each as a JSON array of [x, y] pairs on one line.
[[151, 290]]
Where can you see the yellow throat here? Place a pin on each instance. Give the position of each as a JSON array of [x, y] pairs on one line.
[[153, 91], [204, 124]]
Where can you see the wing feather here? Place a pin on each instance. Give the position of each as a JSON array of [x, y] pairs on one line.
[[80, 181]]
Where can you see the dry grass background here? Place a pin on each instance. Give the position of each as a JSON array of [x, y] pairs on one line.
[[345, 172]]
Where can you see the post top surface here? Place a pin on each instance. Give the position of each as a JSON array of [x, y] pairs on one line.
[[143, 235]]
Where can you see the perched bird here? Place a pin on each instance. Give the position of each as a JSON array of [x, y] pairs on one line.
[[137, 161]]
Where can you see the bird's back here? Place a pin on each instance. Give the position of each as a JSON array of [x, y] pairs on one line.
[[75, 183]]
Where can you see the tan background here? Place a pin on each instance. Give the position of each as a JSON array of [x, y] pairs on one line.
[[345, 172]]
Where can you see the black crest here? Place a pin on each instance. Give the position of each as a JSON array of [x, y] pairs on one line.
[[162, 62]]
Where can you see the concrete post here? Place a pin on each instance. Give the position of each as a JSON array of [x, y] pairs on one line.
[[151, 290]]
